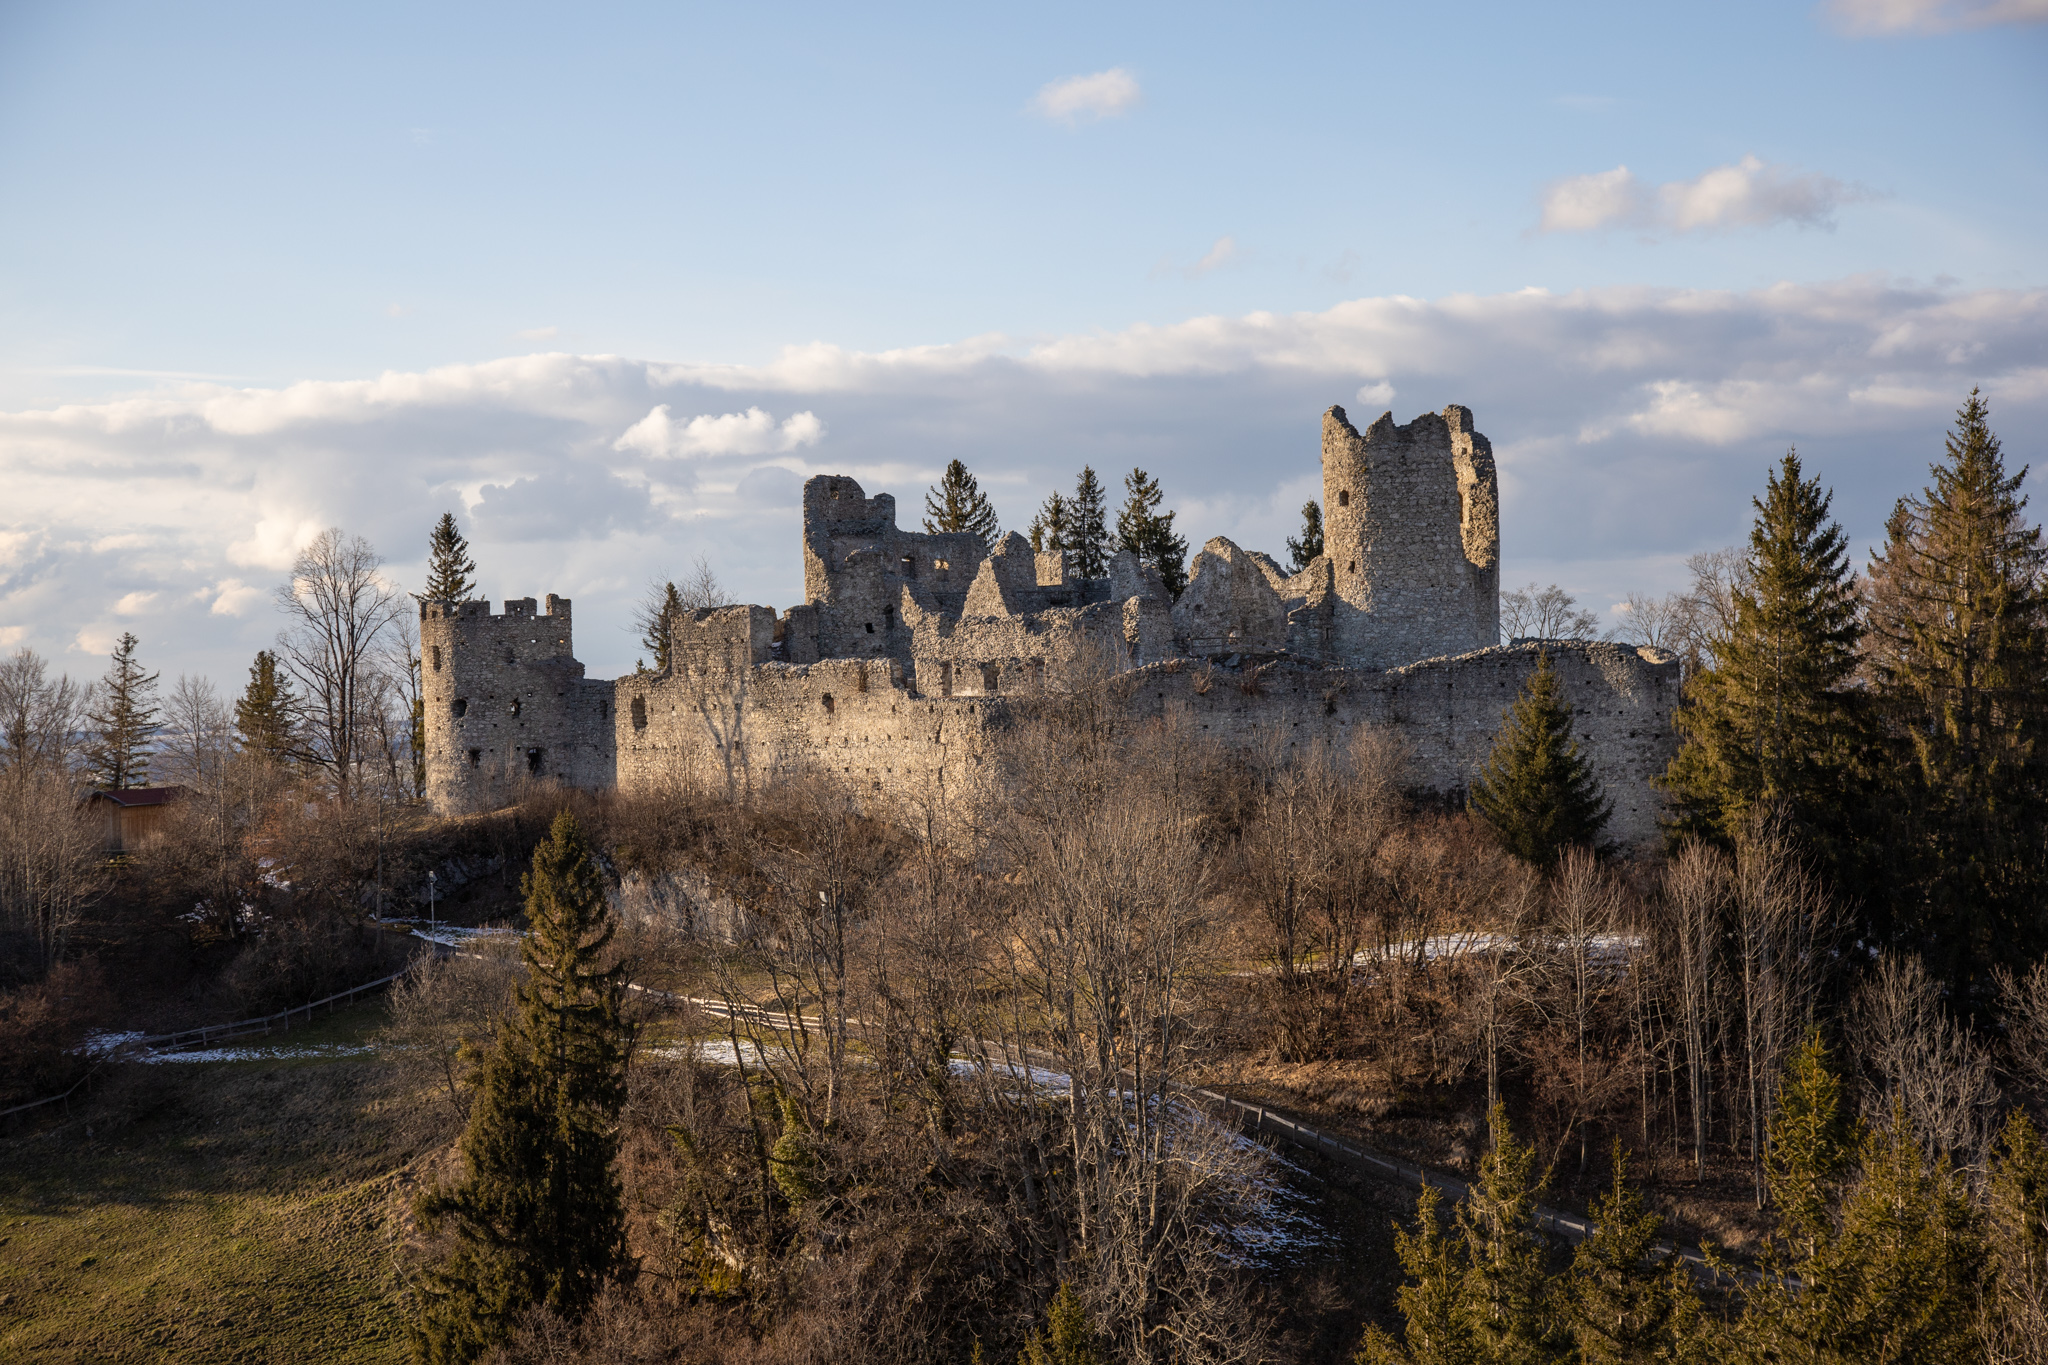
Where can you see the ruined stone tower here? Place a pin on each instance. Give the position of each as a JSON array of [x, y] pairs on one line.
[[1411, 527], [505, 699]]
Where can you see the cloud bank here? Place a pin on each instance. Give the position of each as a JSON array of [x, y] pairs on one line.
[[1749, 193], [1932, 16], [1632, 426]]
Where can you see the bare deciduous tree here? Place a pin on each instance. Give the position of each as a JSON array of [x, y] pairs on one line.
[[1781, 921], [198, 738], [1696, 889], [339, 607], [1544, 613], [1918, 1057]]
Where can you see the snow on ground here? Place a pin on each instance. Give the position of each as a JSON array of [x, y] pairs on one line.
[[254, 1054], [451, 935]]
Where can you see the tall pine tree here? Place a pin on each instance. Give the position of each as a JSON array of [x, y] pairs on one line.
[[958, 504], [1958, 647], [123, 720], [1629, 1300], [451, 573], [266, 714], [1776, 722], [1303, 551], [1088, 525], [1049, 527], [656, 620], [1147, 532], [1537, 790], [539, 1216]]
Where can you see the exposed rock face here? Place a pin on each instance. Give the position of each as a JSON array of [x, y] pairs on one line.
[[896, 672]]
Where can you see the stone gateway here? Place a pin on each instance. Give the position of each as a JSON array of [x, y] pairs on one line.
[[897, 673]]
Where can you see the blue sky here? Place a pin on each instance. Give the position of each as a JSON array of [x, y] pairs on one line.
[[264, 269]]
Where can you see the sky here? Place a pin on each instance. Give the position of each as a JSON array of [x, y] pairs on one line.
[[609, 281]]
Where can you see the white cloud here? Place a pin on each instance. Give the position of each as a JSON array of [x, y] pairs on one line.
[[1749, 193], [135, 603], [1585, 202], [1632, 425], [1073, 99], [233, 597], [752, 432], [1931, 16]]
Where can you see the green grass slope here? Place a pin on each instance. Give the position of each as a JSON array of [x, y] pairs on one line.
[[216, 1211]]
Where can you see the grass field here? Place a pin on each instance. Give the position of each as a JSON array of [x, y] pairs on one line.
[[217, 1211]]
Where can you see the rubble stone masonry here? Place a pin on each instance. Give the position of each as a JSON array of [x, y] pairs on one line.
[[904, 668]]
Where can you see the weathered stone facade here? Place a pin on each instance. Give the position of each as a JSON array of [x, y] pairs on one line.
[[897, 672]]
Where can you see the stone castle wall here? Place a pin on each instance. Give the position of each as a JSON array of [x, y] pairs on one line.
[[914, 653]]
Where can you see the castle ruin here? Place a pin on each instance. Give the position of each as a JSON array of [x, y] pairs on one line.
[[898, 672]]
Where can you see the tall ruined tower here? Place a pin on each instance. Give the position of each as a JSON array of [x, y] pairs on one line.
[[1411, 526], [505, 701]]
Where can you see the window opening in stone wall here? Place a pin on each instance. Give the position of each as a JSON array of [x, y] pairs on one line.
[[888, 618], [942, 564], [989, 674], [604, 710], [946, 679], [639, 713], [476, 758], [515, 707], [459, 707], [533, 761], [910, 566], [870, 625], [1343, 497], [827, 699], [1352, 567], [435, 651]]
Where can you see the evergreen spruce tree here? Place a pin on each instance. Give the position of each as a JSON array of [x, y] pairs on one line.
[[1509, 1306], [958, 504], [1436, 1328], [1049, 527], [1958, 647], [657, 617], [1775, 723], [1304, 550], [2017, 1222], [1629, 1302], [1898, 1279], [539, 1216], [1147, 532], [266, 714], [1537, 790], [123, 719], [1088, 525], [1069, 1337], [451, 573], [1812, 1138]]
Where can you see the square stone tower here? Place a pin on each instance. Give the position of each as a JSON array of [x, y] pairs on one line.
[[1411, 527]]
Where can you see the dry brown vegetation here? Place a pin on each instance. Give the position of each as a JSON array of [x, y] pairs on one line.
[[836, 1147]]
